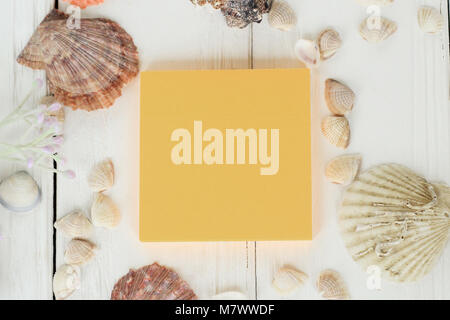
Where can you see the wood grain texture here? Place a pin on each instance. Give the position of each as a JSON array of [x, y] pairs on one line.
[[26, 246]]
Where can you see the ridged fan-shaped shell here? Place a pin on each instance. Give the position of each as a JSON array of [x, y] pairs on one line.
[[84, 3], [336, 130], [153, 282], [329, 42], [65, 281], [377, 29], [430, 20], [308, 52], [287, 279], [331, 286], [101, 177], [392, 218], [380, 3], [104, 212], [339, 97], [282, 16], [343, 169], [79, 251], [75, 225]]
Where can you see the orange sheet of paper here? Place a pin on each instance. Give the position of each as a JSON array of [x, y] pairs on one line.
[[202, 179]]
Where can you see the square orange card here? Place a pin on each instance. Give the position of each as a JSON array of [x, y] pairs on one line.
[[225, 155]]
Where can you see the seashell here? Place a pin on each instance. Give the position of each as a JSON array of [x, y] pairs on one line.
[[65, 281], [230, 295], [340, 98], [380, 3], [337, 131], [329, 42], [392, 218], [84, 3], [374, 33], [79, 251], [308, 52], [431, 21], [87, 66], [343, 169], [75, 225], [331, 286], [287, 279], [104, 212], [101, 177], [240, 13], [19, 192], [152, 282], [282, 16], [59, 114]]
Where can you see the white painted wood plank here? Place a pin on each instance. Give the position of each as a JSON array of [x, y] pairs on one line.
[[401, 116], [26, 245], [169, 35]]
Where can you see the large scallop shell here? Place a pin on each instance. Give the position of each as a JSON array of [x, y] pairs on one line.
[[79, 251], [339, 97], [287, 279], [337, 131], [394, 219], [380, 3], [282, 16], [308, 52], [19, 192], [153, 282], [377, 31], [343, 169], [331, 286], [101, 177], [86, 66], [65, 281], [104, 212], [329, 42], [84, 3], [75, 225], [430, 20]]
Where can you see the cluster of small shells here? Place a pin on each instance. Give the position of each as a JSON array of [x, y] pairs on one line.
[[79, 251]]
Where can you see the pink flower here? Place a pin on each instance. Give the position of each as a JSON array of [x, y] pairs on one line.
[[48, 149], [30, 163], [54, 107], [70, 174]]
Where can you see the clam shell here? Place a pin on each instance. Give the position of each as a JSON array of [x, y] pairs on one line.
[[337, 131], [19, 192], [87, 66], [101, 177], [282, 16], [308, 52], [153, 282], [376, 34], [329, 42], [343, 169], [104, 212], [331, 286], [65, 281], [287, 279], [431, 21], [380, 3], [75, 225], [79, 251], [340, 98], [392, 218]]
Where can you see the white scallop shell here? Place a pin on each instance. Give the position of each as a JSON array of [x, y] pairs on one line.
[[339, 97], [104, 212], [329, 42], [282, 16], [377, 29], [308, 52], [343, 169], [287, 279], [65, 281], [331, 286], [101, 177], [430, 20], [394, 219], [19, 192], [336, 130], [380, 3], [230, 295], [79, 251], [75, 225]]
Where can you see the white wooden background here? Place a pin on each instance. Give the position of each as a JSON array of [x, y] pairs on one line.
[[402, 115]]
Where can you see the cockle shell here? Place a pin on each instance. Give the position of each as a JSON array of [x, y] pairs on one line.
[[79, 251], [153, 282], [377, 29], [101, 177], [380, 3], [431, 21], [337, 131], [308, 52], [19, 192], [240, 13], [282, 16], [86, 66], [75, 225], [340, 98], [331, 286], [104, 212], [287, 279], [343, 169], [65, 281], [392, 218], [84, 3], [329, 42]]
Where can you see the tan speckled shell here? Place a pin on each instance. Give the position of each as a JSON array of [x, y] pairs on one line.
[[79, 251], [340, 98], [343, 169], [331, 286], [375, 34], [329, 42], [101, 177], [431, 21], [337, 131], [282, 16]]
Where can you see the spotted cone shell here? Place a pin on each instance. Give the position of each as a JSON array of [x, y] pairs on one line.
[[84, 3], [86, 66]]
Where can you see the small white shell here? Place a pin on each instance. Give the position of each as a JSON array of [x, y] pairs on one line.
[[230, 295], [281, 16], [431, 21], [380, 3], [308, 52], [331, 286], [329, 42], [75, 225], [65, 281], [19, 192], [337, 131], [101, 177], [104, 212], [343, 169], [79, 251], [339, 97], [287, 279], [377, 29]]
